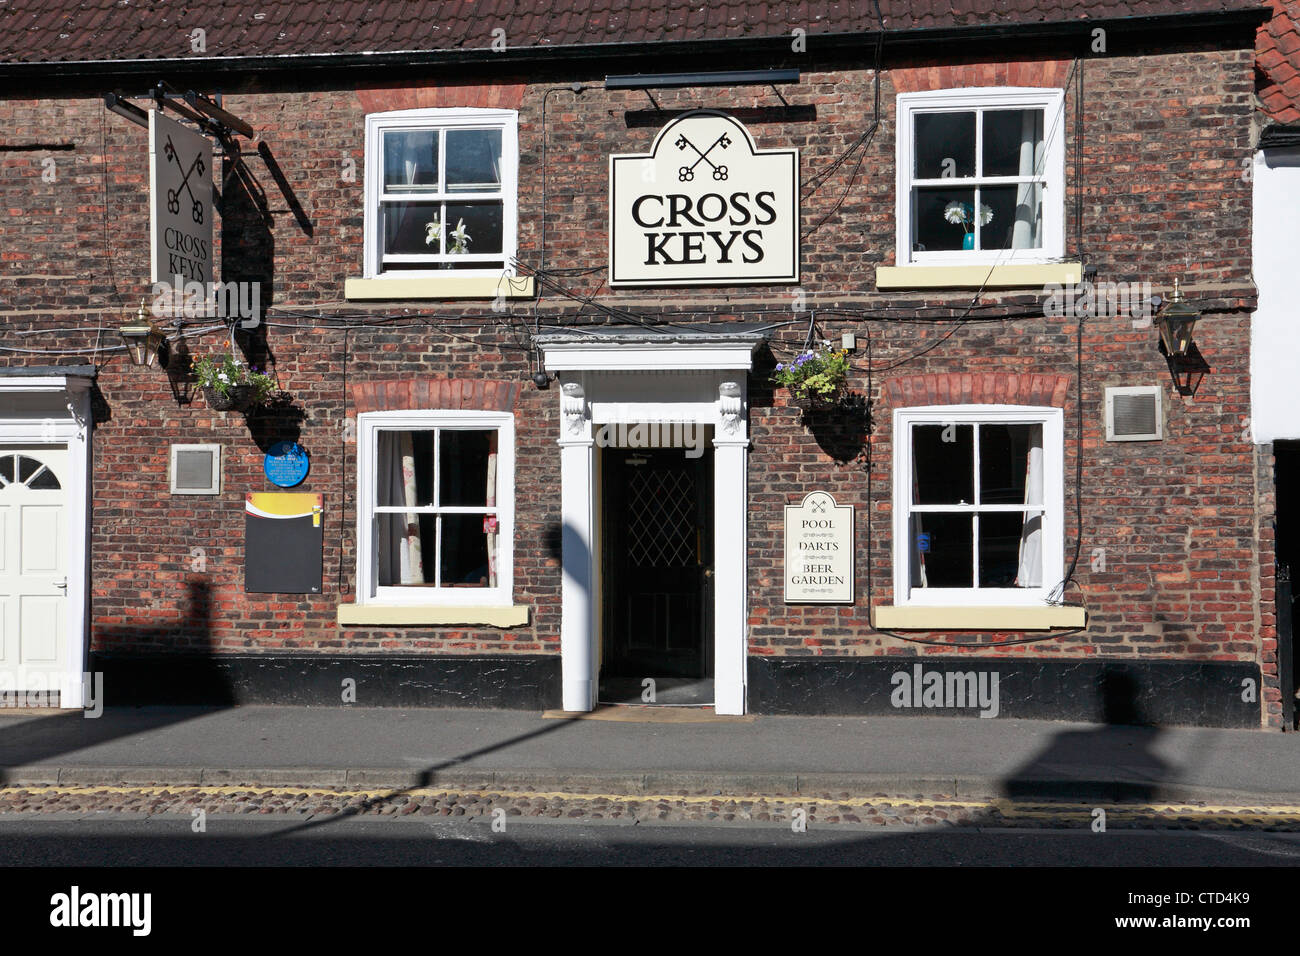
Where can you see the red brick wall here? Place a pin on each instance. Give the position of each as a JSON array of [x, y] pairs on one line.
[[1162, 144]]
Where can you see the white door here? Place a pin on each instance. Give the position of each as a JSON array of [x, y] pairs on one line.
[[33, 566]]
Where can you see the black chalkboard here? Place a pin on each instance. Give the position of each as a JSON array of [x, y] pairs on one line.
[[284, 536]]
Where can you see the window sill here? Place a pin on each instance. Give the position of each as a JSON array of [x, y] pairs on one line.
[[919, 618], [404, 615], [439, 287], [974, 277]]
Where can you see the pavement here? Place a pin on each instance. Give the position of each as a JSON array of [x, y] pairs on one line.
[[646, 750]]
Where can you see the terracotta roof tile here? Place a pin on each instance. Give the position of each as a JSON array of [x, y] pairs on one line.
[[1277, 62], [34, 31]]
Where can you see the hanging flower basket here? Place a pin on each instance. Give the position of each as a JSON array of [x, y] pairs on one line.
[[229, 386], [816, 379], [216, 401], [812, 401]]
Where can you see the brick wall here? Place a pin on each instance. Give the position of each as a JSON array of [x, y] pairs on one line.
[[1157, 192]]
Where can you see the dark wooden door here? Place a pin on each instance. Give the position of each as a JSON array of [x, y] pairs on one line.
[[658, 556]]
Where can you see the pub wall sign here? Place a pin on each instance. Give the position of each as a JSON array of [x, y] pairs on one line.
[[704, 207]]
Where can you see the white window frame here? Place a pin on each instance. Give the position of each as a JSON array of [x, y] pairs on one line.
[[1052, 420], [369, 424], [449, 118], [1052, 102]]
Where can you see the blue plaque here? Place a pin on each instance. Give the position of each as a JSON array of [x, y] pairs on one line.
[[286, 464]]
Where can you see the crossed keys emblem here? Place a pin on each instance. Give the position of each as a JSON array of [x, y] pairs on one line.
[[174, 195], [687, 173], [818, 506]]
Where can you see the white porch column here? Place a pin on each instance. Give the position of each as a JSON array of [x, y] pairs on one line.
[[578, 597], [730, 549]]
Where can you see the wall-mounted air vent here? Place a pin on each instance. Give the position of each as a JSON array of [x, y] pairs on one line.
[[196, 469], [1134, 414]]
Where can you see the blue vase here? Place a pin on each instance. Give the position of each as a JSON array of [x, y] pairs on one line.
[[968, 241]]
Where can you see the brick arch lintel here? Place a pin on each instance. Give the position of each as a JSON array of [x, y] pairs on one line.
[[435, 393], [977, 388], [1050, 73]]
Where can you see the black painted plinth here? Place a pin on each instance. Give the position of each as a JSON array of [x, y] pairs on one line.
[[1190, 693], [520, 682]]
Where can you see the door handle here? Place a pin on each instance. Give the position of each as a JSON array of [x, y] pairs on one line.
[[708, 572], [62, 584]]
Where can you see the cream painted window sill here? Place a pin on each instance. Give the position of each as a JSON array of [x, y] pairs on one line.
[[974, 277], [440, 287], [415, 615], [914, 618]]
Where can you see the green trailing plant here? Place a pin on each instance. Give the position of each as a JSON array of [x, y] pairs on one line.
[[818, 374], [224, 374]]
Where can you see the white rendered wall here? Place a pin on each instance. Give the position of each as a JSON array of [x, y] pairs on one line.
[[1275, 327]]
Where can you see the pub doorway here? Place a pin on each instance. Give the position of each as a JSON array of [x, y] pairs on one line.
[[656, 573]]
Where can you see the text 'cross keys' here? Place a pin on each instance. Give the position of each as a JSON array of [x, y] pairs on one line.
[[687, 173], [174, 195]]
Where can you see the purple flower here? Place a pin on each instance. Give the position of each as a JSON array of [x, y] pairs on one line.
[[780, 367]]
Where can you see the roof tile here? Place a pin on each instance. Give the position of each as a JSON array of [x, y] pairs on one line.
[[32, 31]]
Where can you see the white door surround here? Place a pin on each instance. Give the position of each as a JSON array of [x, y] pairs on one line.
[[676, 376], [49, 407]]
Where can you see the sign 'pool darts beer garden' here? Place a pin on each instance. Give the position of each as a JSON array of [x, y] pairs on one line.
[[818, 551], [704, 207]]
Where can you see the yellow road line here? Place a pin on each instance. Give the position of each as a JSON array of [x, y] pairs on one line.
[[1006, 808]]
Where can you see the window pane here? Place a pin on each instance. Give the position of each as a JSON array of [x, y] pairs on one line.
[[1000, 552], [943, 464], [406, 228], [407, 545], [7, 467], [940, 226], [473, 160], [44, 481], [1005, 464], [1013, 142], [467, 469], [1017, 217], [482, 224], [411, 160], [464, 552], [27, 467], [947, 562], [404, 475], [945, 145]]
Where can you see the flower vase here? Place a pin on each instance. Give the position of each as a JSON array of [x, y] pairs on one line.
[[968, 241]]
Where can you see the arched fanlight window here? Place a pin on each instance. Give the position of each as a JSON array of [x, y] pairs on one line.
[[16, 469]]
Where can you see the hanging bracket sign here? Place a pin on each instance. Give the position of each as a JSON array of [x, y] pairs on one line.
[[704, 207], [818, 551], [180, 203]]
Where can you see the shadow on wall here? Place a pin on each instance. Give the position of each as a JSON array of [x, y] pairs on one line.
[[1126, 750], [153, 679]]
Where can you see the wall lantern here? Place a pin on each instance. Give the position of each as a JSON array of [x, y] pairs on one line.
[[1177, 321], [142, 338]]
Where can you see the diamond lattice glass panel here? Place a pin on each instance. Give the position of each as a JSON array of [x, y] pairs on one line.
[[661, 518]]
